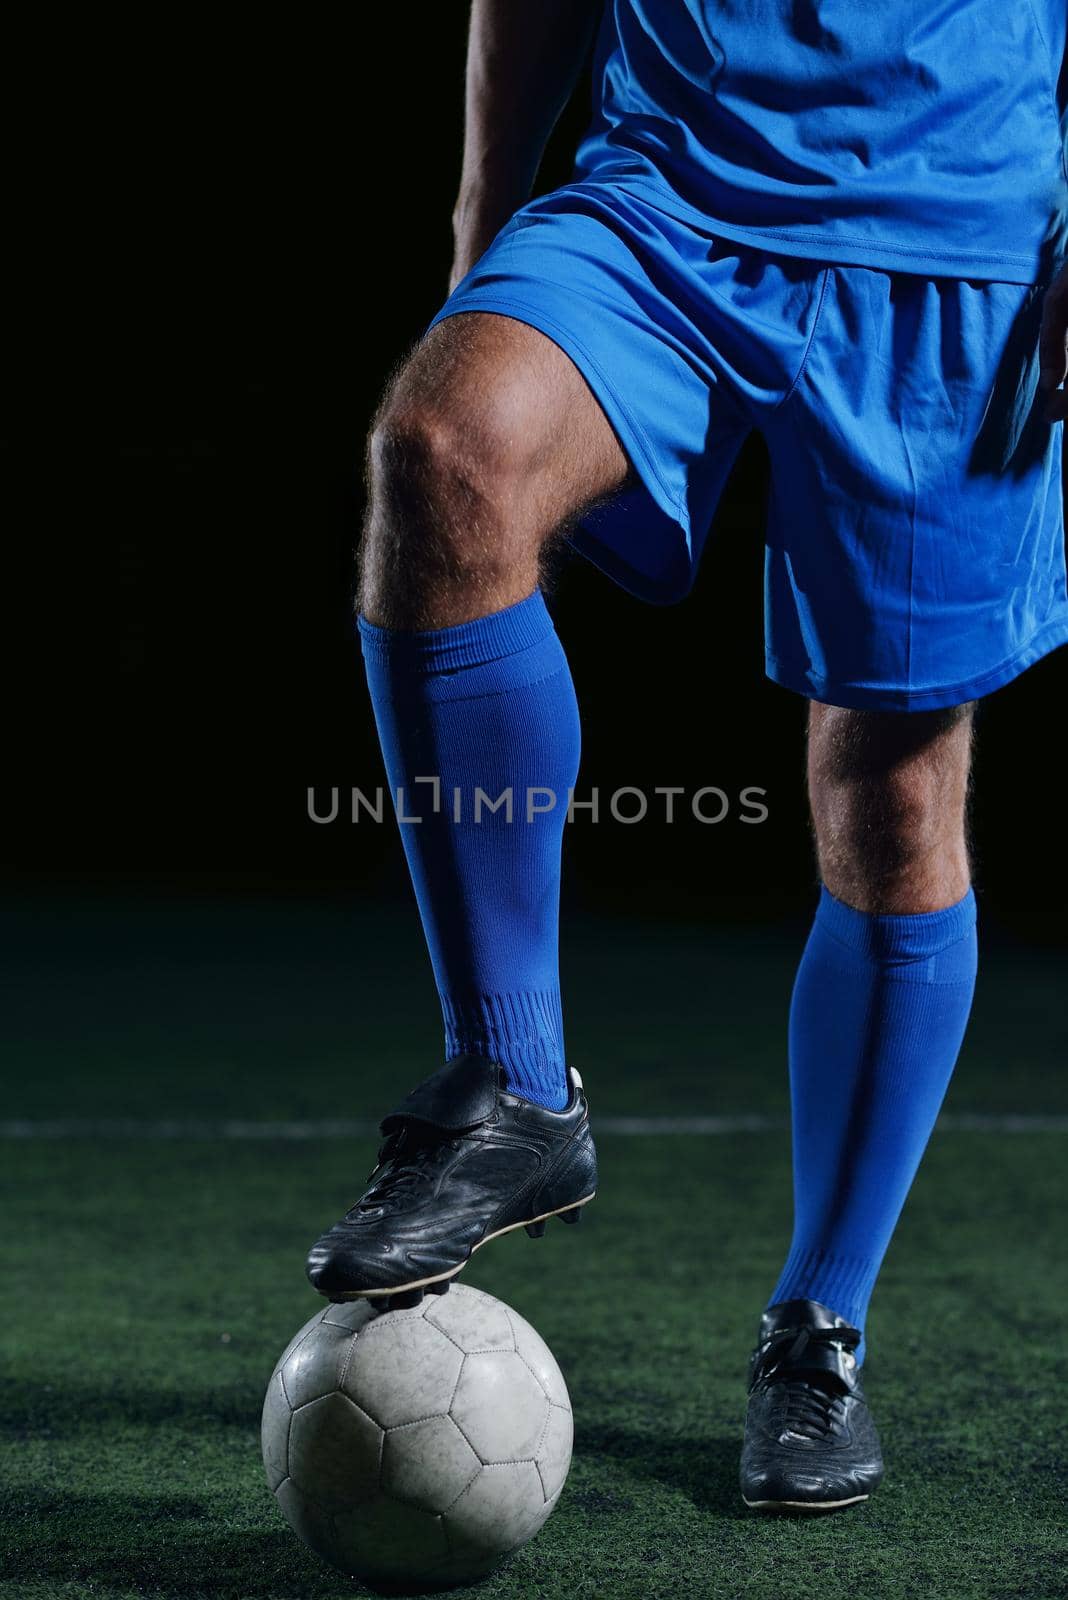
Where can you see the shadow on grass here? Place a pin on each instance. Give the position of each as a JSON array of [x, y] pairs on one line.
[[168, 1545], [704, 1470]]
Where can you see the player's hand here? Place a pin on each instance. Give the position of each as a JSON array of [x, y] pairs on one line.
[[1053, 348]]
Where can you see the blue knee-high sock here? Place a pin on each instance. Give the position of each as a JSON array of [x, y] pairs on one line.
[[488, 709], [879, 1011]]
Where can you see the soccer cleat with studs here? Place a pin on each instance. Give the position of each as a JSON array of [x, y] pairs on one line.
[[810, 1441], [464, 1161]]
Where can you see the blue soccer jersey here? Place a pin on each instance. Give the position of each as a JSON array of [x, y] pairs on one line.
[[923, 136]]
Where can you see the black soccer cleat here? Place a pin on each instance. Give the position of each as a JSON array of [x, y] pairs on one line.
[[810, 1442], [464, 1160]]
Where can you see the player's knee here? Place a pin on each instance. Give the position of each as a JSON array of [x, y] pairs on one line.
[[445, 483], [888, 791], [413, 453], [885, 826]]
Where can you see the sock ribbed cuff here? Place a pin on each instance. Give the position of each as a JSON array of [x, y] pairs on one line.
[[469, 644], [841, 1283], [522, 1031], [915, 937]]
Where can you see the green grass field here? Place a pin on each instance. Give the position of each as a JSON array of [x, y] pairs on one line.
[[151, 1281]]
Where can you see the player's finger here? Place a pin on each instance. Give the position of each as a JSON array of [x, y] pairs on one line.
[[1052, 351]]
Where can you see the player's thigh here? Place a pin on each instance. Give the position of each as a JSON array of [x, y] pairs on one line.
[[496, 404]]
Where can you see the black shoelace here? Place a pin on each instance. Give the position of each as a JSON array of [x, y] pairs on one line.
[[808, 1410], [813, 1405], [402, 1165]]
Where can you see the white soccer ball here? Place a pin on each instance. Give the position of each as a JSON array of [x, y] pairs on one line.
[[417, 1445]]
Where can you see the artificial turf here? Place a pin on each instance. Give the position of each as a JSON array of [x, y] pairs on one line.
[[151, 1283]]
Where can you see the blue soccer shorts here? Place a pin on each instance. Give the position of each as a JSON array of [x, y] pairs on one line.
[[914, 543]]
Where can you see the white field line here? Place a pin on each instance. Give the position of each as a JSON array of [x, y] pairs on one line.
[[130, 1128]]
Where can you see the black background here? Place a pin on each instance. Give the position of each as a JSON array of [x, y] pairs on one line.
[[225, 244]]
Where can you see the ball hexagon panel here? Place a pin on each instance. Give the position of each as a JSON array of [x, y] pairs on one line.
[[335, 1452], [385, 1539], [504, 1504], [499, 1406], [274, 1431], [314, 1367], [428, 1464], [554, 1453], [473, 1320], [402, 1370]]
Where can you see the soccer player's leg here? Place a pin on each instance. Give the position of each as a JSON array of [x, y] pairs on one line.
[[914, 564], [559, 392], [487, 444], [879, 1010]]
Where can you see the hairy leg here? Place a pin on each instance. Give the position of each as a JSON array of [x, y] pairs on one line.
[[884, 988], [488, 444], [889, 794]]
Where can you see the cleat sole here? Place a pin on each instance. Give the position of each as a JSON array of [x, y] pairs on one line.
[[403, 1300], [439, 1282], [808, 1507], [536, 1230]]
